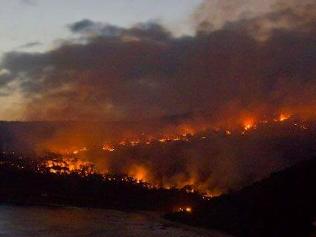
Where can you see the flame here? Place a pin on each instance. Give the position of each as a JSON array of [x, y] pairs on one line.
[[185, 130], [248, 124], [107, 147], [163, 140], [68, 165], [284, 117], [140, 173], [183, 133], [80, 150]]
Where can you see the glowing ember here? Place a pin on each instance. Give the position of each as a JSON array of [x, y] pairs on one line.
[[122, 143], [249, 124], [188, 209], [209, 195], [135, 142], [162, 140], [284, 117], [185, 209], [108, 147], [69, 165]]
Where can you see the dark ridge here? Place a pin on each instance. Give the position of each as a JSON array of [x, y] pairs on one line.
[[282, 205]]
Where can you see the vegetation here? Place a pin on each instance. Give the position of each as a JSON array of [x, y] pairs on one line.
[[26, 181]]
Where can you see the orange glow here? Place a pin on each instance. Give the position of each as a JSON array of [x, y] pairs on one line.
[[122, 143], [140, 173], [209, 195], [188, 209], [186, 130], [248, 124], [284, 117], [108, 147], [73, 150], [135, 142], [141, 141], [185, 209], [68, 165], [162, 140]]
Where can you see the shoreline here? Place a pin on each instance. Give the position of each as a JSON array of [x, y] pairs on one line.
[[156, 219]]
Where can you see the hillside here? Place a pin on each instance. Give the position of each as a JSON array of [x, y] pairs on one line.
[[281, 205]]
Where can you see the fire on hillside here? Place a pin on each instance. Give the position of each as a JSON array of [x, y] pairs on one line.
[[160, 161]]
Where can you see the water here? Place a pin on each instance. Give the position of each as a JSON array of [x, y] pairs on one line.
[[76, 222]]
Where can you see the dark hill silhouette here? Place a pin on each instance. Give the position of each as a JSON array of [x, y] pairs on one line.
[[282, 205]]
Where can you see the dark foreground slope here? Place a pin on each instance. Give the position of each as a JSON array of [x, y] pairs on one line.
[[25, 182], [282, 205]]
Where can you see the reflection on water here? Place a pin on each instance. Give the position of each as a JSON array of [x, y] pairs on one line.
[[76, 222]]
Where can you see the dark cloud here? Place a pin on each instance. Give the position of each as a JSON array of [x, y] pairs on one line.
[[30, 45], [90, 28], [81, 25], [4, 77], [149, 30], [260, 64]]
